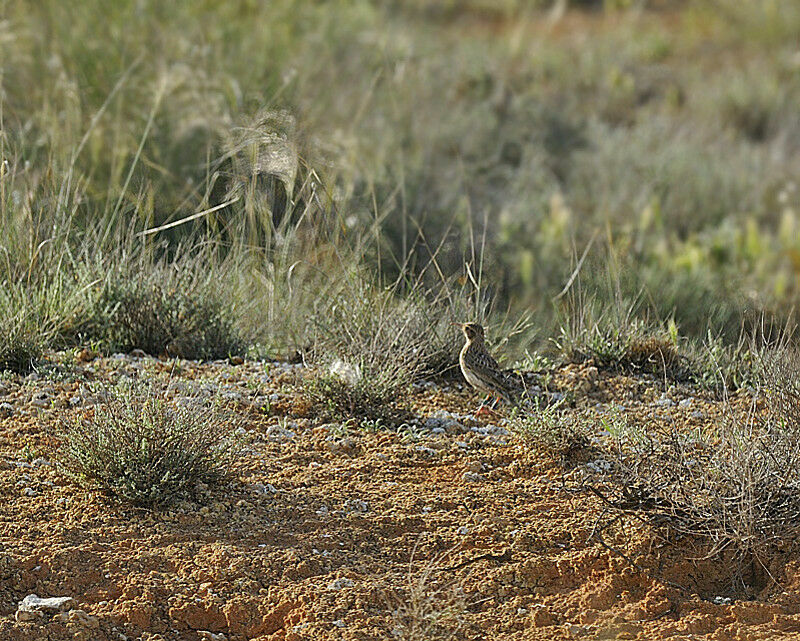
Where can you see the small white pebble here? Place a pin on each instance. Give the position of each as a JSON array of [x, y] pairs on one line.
[[340, 583]]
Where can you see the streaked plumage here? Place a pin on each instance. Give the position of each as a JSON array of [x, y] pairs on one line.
[[481, 370]]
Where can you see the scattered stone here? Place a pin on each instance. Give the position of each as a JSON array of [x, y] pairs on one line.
[[27, 615], [445, 421], [264, 490], [41, 399], [280, 434], [84, 619], [490, 430], [33, 607], [575, 630], [75, 401], [340, 583], [356, 505], [599, 466], [385, 456], [426, 451]]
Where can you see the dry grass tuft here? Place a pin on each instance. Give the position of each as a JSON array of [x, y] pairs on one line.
[[734, 487], [428, 608]]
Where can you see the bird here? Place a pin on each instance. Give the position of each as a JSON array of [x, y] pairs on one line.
[[481, 370]]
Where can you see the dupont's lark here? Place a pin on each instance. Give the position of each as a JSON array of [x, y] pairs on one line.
[[481, 370]]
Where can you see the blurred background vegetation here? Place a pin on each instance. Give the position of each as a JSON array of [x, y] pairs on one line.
[[461, 155]]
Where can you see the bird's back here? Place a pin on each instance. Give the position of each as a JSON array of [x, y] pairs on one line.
[[483, 372]]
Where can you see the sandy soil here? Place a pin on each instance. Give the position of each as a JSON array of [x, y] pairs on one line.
[[447, 527]]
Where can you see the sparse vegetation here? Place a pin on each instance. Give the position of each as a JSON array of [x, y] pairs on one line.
[[21, 344], [730, 486], [139, 446], [428, 607], [614, 182], [616, 132], [177, 308], [550, 431], [370, 345]]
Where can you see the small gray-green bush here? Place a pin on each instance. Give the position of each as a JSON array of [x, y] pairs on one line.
[[143, 448], [20, 345], [31, 319]]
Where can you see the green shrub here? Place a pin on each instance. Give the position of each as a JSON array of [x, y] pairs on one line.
[[20, 346], [31, 317], [340, 397], [613, 336], [172, 308], [141, 447]]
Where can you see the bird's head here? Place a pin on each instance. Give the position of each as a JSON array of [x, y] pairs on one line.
[[472, 331]]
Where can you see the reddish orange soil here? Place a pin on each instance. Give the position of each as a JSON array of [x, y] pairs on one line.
[[337, 533]]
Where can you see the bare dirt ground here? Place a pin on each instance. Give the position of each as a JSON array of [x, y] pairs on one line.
[[337, 532]]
